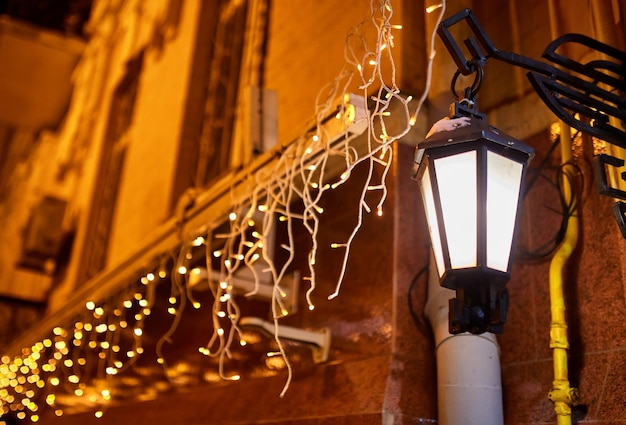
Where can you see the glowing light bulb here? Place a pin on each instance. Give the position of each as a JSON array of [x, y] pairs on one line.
[[90, 305], [432, 8], [150, 277], [138, 331], [182, 270], [232, 216], [198, 241], [316, 138]]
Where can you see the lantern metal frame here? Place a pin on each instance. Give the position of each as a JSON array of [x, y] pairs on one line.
[[481, 300], [482, 138], [586, 96]]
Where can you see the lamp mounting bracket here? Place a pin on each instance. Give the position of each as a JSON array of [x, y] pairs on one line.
[[589, 97], [584, 95]]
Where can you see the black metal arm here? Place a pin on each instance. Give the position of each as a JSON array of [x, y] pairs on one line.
[[584, 95]]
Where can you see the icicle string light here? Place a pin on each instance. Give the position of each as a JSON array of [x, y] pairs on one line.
[[242, 239]]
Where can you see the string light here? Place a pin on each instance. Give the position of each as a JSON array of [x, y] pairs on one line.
[[244, 244]]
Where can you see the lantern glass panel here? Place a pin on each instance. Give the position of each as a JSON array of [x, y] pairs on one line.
[[433, 223], [504, 178], [457, 181]]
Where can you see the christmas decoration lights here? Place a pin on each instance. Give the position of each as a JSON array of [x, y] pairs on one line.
[[80, 358]]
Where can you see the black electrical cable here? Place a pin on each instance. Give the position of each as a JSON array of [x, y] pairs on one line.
[[566, 207], [418, 320]]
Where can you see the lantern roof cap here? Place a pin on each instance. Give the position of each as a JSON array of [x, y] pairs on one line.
[[449, 132], [475, 129]]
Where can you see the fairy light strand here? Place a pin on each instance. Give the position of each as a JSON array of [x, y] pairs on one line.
[[300, 173]]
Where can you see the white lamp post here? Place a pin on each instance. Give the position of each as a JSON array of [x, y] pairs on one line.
[[471, 176]]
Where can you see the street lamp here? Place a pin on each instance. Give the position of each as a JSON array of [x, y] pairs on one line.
[[470, 175]]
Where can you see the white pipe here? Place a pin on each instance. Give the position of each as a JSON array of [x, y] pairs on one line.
[[469, 389]]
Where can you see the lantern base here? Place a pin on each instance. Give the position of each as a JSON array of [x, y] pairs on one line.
[[478, 311]]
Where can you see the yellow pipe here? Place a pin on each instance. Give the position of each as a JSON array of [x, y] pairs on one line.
[[562, 395]]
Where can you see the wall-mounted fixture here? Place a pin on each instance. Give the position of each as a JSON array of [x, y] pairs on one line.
[[586, 96], [243, 283], [471, 176], [319, 340], [44, 236]]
